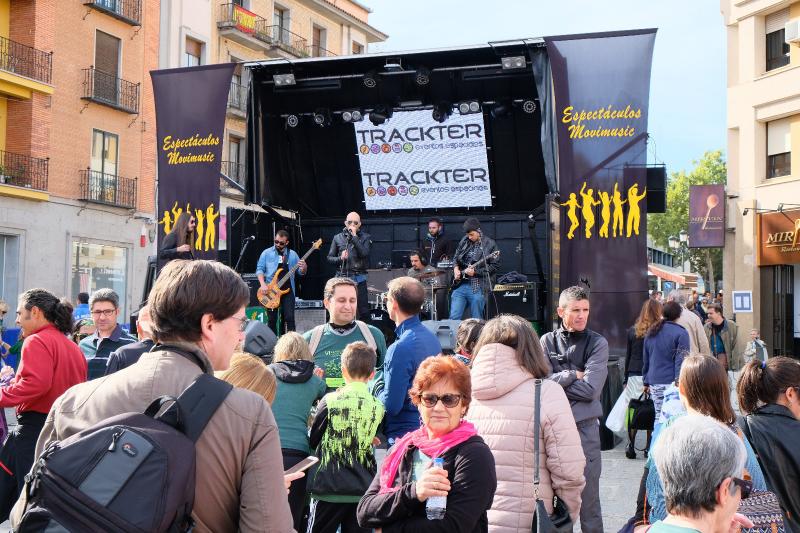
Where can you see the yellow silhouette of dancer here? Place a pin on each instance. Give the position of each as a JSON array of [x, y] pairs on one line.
[[587, 209], [211, 230], [200, 216], [619, 220], [605, 213], [572, 214], [176, 212], [634, 213], [166, 220]]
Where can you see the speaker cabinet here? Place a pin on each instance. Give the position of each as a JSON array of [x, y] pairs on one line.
[[657, 189], [518, 299]]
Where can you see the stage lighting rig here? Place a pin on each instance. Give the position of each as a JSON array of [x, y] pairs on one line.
[[529, 106], [293, 121], [441, 111], [468, 107], [380, 114], [371, 79], [500, 110], [422, 76], [282, 80], [352, 115], [322, 117], [513, 62]]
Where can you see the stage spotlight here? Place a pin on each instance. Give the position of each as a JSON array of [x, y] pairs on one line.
[[441, 111], [380, 114], [281, 80], [292, 121], [513, 62], [322, 117], [500, 110], [529, 106], [468, 107], [423, 76], [371, 79], [352, 115]]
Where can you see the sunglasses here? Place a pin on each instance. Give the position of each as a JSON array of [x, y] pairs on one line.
[[448, 400], [745, 485], [353, 223], [281, 243]]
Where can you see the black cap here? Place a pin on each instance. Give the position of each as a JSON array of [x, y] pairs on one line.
[[471, 224]]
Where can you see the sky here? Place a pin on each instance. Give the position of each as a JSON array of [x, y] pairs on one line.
[[688, 87]]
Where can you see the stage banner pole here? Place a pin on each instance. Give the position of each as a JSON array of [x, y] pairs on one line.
[[190, 123], [601, 84]]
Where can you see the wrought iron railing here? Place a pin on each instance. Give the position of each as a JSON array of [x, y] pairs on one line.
[[237, 97], [25, 60], [320, 51], [235, 16], [234, 171], [107, 189], [129, 11], [109, 90], [23, 171]]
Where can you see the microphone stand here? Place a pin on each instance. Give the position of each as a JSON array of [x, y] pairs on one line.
[[487, 290], [245, 243]]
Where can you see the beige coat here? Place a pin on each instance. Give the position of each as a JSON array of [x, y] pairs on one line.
[[698, 342], [239, 483], [502, 409]]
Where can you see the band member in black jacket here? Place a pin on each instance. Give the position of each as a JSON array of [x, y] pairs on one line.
[[435, 245], [475, 280], [350, 251], [179, 242]]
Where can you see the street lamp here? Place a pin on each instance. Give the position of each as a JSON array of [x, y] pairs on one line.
[[680, 244], [684, 236], [673, 242]]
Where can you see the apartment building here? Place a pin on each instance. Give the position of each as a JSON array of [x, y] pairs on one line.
[[762, 246], [77, 145]]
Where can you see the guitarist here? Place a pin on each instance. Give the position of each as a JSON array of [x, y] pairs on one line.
[[271, 259], [475, 281]]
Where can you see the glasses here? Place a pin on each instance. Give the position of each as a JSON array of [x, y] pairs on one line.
[[104, 312], [281, 243], [448, 400], [243, 321], [353, 223], [745, 484]]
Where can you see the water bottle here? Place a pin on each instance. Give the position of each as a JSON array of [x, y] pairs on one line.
[[436, 505]]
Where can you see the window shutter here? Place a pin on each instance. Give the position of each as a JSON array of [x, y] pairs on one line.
[[779, 139], [106, 55], [776, 21]]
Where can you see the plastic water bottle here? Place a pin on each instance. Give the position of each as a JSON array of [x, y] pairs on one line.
[[436, 505]]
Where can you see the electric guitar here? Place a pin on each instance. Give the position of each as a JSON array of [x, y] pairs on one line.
[[270, 296], [457, 281]]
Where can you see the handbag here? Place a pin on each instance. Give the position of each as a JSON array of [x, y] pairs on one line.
[[641, 413], [764, 510], [559, 521]]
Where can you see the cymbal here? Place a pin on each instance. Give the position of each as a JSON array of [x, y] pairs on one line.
[[429, 274]]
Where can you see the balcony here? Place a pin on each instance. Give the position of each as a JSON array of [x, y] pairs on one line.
[[237, 173], [108, 90], [107, 189], [23, 171], [128, 11], [237, 100], [25, 61], [289, 41], [244, 27]]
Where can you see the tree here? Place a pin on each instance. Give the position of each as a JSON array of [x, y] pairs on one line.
[[711, 169]]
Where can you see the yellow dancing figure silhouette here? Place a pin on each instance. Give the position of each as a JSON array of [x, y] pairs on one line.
[[619, 220], [605, 213], [166, 220], [200, 216], [211, 230], [587, 210], [634, 214], [176, 212], [572, 214]]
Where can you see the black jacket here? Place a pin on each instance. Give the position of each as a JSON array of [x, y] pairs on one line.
[[471, 471], [358, 252], [634, 355], [437, 249], [125, 356], [774, 434], [169, 249], [489, 266]]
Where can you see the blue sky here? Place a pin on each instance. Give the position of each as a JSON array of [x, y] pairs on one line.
[[687, 92]]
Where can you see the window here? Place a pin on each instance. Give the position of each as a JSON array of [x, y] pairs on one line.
[[280, 20], [777, 47], [318, 35], [99, 266], [779, 148], [9, 276], [235, 156], [358, 48], [194, 49], [102, 186], [106, 64]]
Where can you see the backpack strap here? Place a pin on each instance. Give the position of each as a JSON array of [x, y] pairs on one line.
[[316, 337], [367, 334]]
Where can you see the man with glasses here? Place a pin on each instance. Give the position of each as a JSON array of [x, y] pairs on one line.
[[108, 335], [273, 258], [350, 252]]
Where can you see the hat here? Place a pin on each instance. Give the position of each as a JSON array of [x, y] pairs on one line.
[[471, 224]]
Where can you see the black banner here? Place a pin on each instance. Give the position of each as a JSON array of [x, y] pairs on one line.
[[602, 87], [190, 124]]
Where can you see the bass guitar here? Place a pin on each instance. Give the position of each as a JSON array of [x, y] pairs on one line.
[[270, 296], [456, 283]]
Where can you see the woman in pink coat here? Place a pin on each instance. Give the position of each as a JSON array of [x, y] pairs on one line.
[[508, 359]]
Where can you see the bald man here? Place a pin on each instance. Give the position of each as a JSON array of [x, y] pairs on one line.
[[129, 354], [350, 253]]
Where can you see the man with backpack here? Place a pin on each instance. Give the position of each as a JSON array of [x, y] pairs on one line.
[[234, 478], [329, 340]]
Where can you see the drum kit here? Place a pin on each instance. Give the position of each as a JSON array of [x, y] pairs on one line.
[[434, 279]]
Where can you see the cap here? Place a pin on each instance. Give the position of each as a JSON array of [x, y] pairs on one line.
[[471, 224]]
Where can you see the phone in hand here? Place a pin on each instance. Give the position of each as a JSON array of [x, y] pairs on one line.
[[303, 465]]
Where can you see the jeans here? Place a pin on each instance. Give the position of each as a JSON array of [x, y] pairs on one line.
[[287, 315], [461, 297]]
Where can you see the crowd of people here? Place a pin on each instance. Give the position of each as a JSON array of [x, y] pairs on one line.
[[396, 430]]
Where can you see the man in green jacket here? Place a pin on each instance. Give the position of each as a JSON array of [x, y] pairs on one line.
[[726, 345]]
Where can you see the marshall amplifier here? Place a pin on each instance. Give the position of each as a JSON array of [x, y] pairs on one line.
[[518, 299]]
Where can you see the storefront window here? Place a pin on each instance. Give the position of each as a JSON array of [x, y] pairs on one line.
[[100, 266]]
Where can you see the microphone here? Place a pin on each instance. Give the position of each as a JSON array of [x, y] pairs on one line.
[[250, 238]]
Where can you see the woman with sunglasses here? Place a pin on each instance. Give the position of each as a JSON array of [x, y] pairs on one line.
[[398, 494], [508, 361], [769, 392]]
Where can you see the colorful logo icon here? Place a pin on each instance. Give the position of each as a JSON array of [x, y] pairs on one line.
[[413, 190], [370, 191], [392, 190], [375, 149], [386, 148], [403, 190], [397, 148], [381, 191], [364, 149], [408, 148]]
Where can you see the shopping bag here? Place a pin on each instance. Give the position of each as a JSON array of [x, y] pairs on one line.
[[616, 418]]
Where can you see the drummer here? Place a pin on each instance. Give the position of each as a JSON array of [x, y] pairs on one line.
[[434, 280]]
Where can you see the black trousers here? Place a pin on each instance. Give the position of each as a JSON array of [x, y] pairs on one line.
[[363, 301], [326, 517], [287, 311], [297, 490], [17, 458]]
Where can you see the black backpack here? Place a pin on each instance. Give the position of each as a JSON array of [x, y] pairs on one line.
[[129, 473]]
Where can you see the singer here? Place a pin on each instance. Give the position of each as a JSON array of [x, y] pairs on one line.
[[350, 252], [278, 259], [475, 248]]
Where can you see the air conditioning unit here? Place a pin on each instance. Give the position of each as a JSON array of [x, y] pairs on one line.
[[792, 31]]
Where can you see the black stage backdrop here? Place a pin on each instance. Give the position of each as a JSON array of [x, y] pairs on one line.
[[190, 122], [602, 86]]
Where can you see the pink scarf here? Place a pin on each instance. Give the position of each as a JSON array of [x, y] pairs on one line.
[[431, 447]]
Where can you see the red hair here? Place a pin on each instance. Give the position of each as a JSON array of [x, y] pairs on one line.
[[442, 368]]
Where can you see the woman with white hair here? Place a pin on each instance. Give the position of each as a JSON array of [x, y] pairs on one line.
[[701, 463]]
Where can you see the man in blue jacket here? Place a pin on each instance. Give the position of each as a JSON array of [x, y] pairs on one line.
[[414, 344], [271, 259]]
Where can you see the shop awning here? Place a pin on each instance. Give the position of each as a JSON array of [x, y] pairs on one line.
[[685, 279]]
